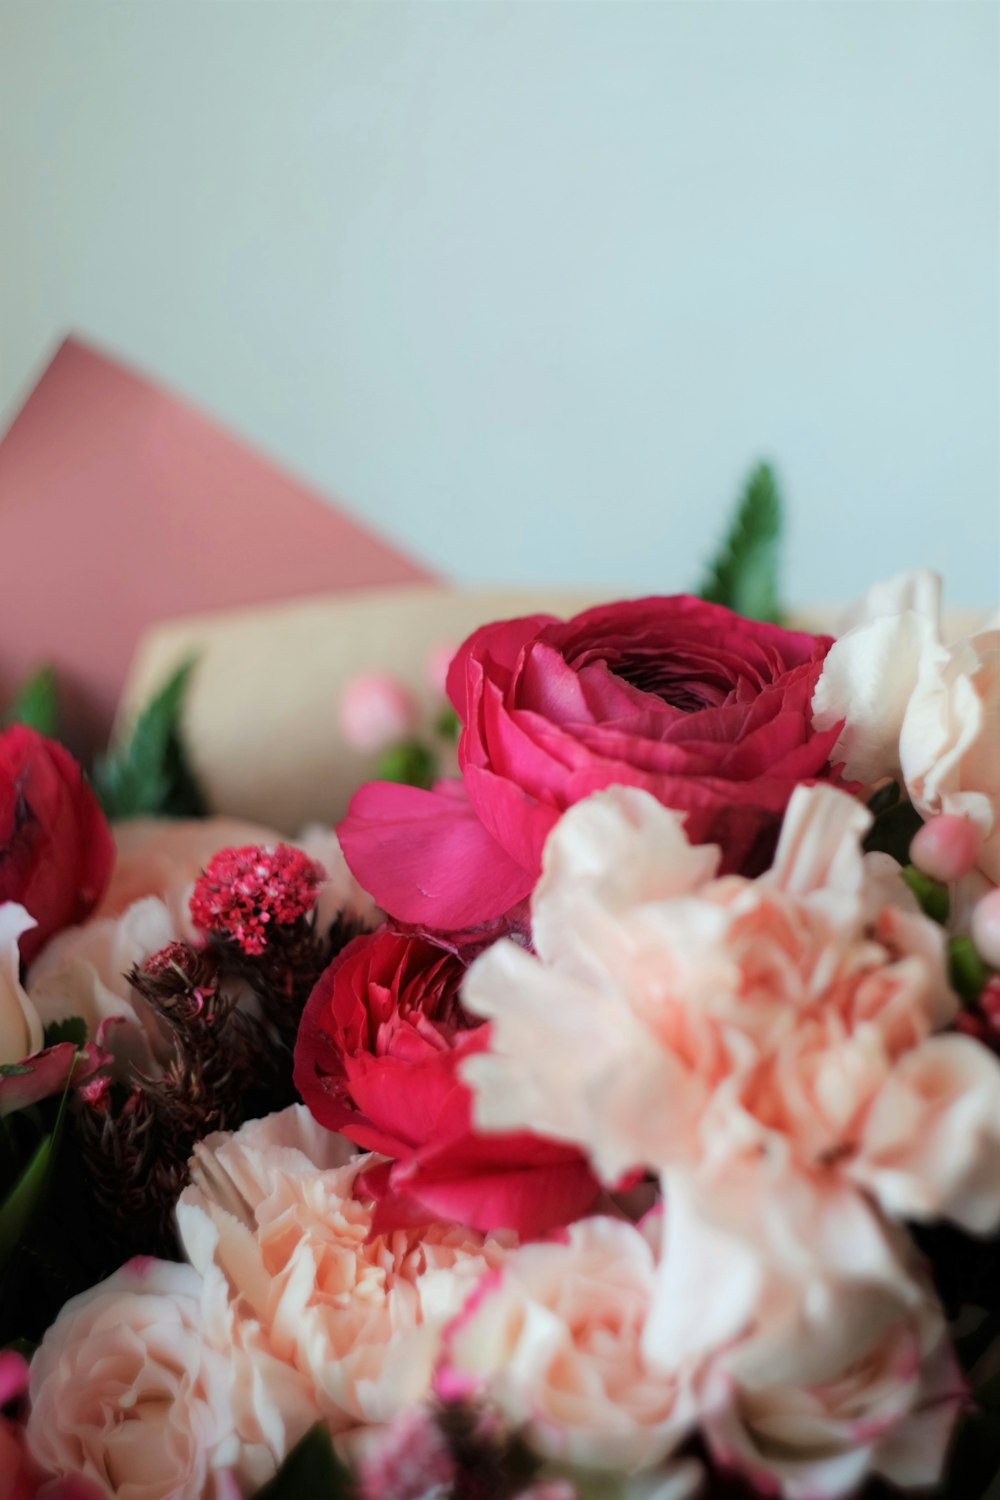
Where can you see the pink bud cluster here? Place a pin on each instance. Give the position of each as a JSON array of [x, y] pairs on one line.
[[245, 892]]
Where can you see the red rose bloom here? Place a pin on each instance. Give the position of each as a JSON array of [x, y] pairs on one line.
[[707, 711], [56, 849], [377, 1059]]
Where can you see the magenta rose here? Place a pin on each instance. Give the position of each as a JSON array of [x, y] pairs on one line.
[[707, 711], [377, 1059], [56, 849]]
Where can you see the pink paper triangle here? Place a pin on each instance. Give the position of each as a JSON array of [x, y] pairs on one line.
[[120, 505]]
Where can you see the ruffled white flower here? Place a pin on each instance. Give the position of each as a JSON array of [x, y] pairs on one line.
[[832, 1361], [918, 709], [822, 1353]]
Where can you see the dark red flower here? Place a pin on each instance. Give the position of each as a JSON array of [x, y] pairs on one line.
[[56, 849], [709, 712], [378, 1058]]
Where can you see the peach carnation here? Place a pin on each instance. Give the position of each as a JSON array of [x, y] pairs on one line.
[[553, 1339], [672, 1019], [355, 1318]]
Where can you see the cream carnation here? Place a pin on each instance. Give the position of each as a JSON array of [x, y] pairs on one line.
[[126, 1393], [553, 1339], [357, 1318], [673, 1020]]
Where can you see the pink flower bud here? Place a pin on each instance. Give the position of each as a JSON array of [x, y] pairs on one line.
[[376, 711], [986, 928], [946, 847], [437, 667]]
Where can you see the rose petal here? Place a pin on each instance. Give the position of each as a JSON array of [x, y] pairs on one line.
[[427, 859]]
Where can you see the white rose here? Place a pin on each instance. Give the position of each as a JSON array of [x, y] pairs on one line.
[[126, 1392], [20, 1026]]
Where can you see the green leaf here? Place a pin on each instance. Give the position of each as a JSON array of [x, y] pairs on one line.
[[932, 895], [892, 832], [312, 1471], [18, 1208], [36, 703], [448, 725], [14, 1070], [410, 763], [966, 970], [23, 1200], [150, 774], [72, 1029], [744, 573]]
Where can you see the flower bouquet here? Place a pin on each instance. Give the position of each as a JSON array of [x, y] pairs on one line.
[[616, 1116]]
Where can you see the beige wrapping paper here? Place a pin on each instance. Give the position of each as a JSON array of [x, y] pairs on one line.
[[262, 718], [262, 721]]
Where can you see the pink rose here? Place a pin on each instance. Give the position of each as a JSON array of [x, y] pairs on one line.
[[377, 1059], [708, 712]]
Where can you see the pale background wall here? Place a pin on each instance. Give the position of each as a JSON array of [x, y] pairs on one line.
[[529, 285]]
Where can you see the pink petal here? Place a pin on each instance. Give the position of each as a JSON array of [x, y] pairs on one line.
[[46, 1075], [517, 1182], [426, 858], [13, 1376]]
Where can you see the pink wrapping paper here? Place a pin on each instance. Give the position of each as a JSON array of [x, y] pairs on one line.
[[121, 506]]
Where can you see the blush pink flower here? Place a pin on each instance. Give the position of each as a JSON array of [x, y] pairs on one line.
[[83, 970], [554, 1341], [355, 1317], [376, 711], [160, 856], [708, 712], [127, 1394], [672, 1019]]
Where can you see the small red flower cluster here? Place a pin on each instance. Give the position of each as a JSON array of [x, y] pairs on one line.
[[245, 891]]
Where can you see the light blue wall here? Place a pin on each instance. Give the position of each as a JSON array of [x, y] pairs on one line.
[[530, 285]]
